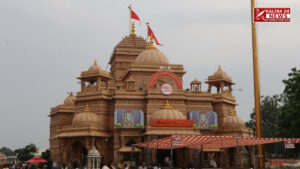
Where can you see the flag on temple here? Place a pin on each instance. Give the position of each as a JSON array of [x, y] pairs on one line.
[[150, 33], [133, 15]]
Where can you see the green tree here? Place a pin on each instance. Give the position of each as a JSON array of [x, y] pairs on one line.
[[290, 116], [290, 111], [26, 153], [46, 156], [270, 111], [7, 151]]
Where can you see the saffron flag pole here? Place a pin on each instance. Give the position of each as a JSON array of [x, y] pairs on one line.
[[132, 15], [256, 86], [151, 34]]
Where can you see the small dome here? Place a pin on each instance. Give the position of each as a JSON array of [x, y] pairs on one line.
[[94, 152], [86, 117], [153, 56], [70, 100], [219, 75], [233, 121], [167, 112], [95, 67], [195, 82]]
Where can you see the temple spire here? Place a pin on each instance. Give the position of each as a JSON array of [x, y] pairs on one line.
[[132, 30], [87, 109]]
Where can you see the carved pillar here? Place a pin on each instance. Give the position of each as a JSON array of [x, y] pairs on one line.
[[222, 87], [98, 83], [209, 88], [82, 85]]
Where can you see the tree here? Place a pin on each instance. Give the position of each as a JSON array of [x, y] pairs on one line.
[[46, 156], [7, 151], [290, 111], [270, 111], [26, 153], [290, 116], [281, 115]]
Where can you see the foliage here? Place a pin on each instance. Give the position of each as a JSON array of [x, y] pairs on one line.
[[280, 116], [7, 151], [290, 123], [270, 110], [46, 155], [26, 153], [290, 111]]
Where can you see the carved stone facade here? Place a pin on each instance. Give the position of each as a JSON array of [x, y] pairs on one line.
[[87, 119]]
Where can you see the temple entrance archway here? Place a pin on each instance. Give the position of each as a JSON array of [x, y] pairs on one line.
[[79, 154]]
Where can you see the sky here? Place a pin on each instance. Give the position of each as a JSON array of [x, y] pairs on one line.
[[44, 45]]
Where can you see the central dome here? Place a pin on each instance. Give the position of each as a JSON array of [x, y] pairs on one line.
[[167, 112], [153, 56]]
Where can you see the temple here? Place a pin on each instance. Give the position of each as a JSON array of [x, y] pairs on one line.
[[142, 98]]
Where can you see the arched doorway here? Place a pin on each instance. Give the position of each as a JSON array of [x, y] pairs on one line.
[[79, 155]]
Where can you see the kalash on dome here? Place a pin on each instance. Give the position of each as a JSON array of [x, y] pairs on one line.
[[141, 98]]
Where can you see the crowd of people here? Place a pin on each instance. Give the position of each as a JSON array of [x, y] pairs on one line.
[[24, 166]]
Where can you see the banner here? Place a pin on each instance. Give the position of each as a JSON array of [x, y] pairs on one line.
[[205, 120], [289, 143], [171, 123], [129, 119]]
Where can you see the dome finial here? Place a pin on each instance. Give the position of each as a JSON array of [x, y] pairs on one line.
[[167, 105], [71, 94], [132, 30], [151, 43], [219, 68], [87, 109], [95, 62]]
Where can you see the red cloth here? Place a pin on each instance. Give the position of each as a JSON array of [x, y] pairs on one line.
[[133, 15], [150, 32]]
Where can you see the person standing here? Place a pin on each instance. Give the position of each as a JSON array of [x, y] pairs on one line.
[[143, 166], [105, 166]]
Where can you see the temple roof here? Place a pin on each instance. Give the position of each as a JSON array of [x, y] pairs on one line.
[[95, 70], [69, 101], [219, 75], [129, 45]]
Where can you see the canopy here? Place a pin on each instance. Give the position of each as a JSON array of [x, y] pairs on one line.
[[209, 142], [36, 159]]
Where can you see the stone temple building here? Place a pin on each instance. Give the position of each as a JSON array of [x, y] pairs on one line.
[[141, 98]]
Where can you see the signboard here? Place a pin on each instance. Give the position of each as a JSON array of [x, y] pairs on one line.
[[205, 120], [289, 143], [177, 141], [129, 119], [166, 89], [272, 14], [171, 123]]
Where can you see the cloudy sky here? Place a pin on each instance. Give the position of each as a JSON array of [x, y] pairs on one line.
[[44, 45]]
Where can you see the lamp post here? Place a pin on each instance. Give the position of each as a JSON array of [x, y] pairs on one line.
[[256, 86]]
